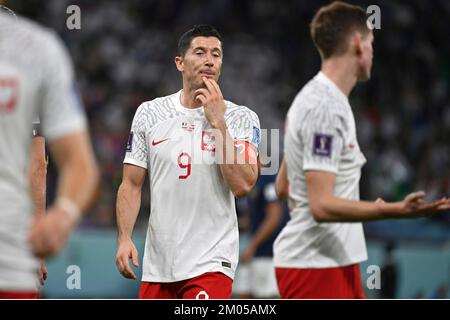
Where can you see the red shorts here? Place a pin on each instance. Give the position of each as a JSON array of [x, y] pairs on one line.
[[210, 285], [328, 283], [19, 295]]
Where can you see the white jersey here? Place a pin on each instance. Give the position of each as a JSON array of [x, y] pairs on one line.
[[193, 224], [35, 82], [320, 135]]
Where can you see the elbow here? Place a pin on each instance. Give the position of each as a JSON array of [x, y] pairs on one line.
[[282, 192], [282, 186], [318, 212], [244, 187], [243, 190]]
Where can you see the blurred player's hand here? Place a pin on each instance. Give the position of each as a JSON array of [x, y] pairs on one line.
[[414, 206], [126, 250], [50, 232], [42, 273], [212, 100], [248, 254]]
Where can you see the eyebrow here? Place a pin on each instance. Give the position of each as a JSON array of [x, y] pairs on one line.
[[205, 49]]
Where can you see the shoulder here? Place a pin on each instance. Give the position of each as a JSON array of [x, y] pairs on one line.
[[314, 94], [235, 112], [37, 44], [156, 104], [43, 39], [23, 27], [158, 109], [315, 103]]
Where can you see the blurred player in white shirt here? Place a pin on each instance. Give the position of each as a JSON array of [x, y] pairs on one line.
[[36, 80], [317, 254], [191, 249]]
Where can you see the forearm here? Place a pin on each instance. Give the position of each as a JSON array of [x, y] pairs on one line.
[[333, 209], [326, 207], [78, 182], [38, 187], [78, 176], [239, 173], [127, 207], [37, 175], [282, 183]]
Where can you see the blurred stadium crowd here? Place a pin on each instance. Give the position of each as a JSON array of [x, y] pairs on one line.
[[124, 55]]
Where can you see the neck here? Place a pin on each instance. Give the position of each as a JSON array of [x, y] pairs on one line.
[[188, 96], [342, 72]]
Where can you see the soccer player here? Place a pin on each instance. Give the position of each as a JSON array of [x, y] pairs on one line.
[[317, 254], [36, 81], [256, 275], [200, 151]]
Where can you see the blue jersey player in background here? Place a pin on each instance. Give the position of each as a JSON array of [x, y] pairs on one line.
[[264, 216]]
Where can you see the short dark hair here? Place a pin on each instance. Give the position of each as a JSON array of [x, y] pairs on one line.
[[333, 24], [202, 30]]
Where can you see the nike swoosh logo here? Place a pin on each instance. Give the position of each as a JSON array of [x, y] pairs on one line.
[[156, 142]]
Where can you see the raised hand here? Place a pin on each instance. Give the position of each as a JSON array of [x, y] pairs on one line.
[[212, 100]]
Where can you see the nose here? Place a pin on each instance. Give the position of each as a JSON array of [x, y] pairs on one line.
[[209, 60]]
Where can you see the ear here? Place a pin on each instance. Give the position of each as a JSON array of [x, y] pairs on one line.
[[179, 62], [357, 43]]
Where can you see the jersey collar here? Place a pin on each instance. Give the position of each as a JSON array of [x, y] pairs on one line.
[[322, 78], [188, 111]]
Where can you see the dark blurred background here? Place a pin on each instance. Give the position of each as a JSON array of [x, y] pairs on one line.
[[124, 55]]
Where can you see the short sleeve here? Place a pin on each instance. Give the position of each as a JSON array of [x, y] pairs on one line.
[[243, 125], [136, 152], [61, 112], [321, 134]]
